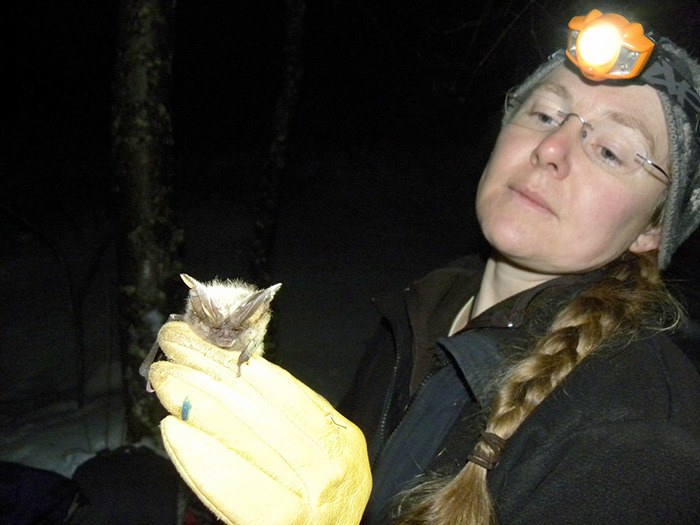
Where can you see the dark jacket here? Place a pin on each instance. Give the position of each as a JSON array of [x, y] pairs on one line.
[[617, 442]]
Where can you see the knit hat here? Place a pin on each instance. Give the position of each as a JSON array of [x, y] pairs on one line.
[[676, 77]]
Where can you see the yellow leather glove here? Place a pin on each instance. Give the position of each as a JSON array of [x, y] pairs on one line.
[[257, 446]]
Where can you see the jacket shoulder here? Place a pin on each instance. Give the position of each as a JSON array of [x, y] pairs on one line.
[[618, 440]]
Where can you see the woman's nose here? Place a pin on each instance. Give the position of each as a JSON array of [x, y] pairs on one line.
[[554, 151]]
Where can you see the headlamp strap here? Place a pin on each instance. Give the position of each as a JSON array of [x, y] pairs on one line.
[[663, 76]]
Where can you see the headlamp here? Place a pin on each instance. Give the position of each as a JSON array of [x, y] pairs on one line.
[[607, 46]]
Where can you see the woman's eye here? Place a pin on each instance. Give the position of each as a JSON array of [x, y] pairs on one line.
[[610, 152], [546, 119], [609, 156], [539, 115], [542, 116]]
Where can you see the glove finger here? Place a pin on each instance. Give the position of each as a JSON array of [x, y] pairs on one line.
[[235, 489], [181, 345], [242, 425], [335, 445], [245, 422], [292, 399]]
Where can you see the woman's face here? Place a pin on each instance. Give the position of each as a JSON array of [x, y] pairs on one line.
[[544, 205]]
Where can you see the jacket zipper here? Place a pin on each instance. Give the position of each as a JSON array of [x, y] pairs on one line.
[[421, 385], [387, 406]]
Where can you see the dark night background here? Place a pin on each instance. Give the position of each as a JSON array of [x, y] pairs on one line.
[[398, 106]]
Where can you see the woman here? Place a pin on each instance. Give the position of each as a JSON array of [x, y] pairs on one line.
[[541, 386], [574, 272], [556, 199]]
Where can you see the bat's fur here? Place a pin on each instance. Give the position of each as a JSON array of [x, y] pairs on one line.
[[229, 314]]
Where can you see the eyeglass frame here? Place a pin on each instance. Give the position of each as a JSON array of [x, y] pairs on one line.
[[643, 161]]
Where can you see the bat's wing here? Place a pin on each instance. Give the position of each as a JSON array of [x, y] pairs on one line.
[[256, 304], [153, 355]]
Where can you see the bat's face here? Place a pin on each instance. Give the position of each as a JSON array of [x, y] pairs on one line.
[[224, 335]]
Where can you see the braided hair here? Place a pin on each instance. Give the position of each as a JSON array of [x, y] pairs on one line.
[[630, 299]]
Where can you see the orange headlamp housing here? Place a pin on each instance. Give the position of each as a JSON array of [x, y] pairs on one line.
[[607, 46]]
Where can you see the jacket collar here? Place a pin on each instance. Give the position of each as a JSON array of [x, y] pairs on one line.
[[425, 312], [510, 313], [479, 354]]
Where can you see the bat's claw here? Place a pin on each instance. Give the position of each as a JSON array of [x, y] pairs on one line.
[[250, 349]]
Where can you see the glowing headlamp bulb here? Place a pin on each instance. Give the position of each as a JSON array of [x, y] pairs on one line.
[[599, 45], [607, 46]]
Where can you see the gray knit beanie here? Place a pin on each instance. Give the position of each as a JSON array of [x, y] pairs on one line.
[[678, 87]]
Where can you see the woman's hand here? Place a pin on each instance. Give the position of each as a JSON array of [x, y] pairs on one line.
[[256, 445]]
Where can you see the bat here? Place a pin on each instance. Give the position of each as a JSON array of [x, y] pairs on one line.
[[230, 314]]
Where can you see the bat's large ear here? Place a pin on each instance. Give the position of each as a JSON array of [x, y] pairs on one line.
[[200, 301], [191, 282], [255, 305]]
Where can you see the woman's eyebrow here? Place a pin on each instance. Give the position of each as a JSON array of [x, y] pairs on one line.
[[556, 89], [632, 122]]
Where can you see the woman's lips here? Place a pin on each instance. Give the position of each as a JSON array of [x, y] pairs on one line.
[[532, 199]]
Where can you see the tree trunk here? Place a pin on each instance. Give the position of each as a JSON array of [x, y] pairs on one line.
[[143, 160]]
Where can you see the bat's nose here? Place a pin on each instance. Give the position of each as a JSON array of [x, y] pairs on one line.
[[227, 337]]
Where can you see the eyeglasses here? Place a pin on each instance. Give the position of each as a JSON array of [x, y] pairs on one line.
[[615, 147]]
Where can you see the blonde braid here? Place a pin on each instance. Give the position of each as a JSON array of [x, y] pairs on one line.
[[632, 297]]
